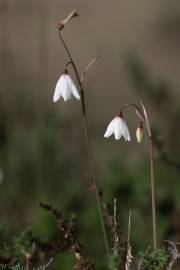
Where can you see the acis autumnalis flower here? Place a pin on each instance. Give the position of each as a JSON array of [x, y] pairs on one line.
[[119, 127], [65, 88]]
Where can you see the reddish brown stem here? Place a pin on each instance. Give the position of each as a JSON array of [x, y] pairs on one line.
[[88, 146], [142, 114]]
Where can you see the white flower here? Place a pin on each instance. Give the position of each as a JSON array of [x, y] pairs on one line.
[[65, 88], [119, 127]]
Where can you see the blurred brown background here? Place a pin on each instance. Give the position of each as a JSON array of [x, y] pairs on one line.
[[42, 144]]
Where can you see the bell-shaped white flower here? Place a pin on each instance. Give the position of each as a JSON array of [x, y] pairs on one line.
[[119, 127], [65, 88]]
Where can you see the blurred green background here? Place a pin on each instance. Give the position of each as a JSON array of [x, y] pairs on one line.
[[42, 145]]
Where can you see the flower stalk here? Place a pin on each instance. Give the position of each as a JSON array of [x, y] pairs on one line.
[[142, 114], [153, 194], [87, 138]]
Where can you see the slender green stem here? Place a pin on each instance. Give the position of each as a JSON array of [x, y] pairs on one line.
[[88, 146]]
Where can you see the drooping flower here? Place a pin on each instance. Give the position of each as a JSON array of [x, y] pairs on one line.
[[119, 127], [139, 132], [65, 88]]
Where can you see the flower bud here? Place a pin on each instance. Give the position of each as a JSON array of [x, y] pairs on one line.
[[139, 132]]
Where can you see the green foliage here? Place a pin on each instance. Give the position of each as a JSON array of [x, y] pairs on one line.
[[23, 244], [114, 260], [154, 259], [17, 247], [5, 247]]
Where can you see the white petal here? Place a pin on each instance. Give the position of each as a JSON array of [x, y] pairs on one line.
[[66, 90], [117, 129], [58, 90], [125, 130], [73, 88], [65, 87], [117, 134], [110, 128]]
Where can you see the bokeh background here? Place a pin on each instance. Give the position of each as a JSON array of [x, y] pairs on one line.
[[42, 145]]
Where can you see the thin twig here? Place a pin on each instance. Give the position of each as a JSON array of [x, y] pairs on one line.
[[61, 24], [129, 255], [89, 65], [70, 16], [47, 264], [116, 238]]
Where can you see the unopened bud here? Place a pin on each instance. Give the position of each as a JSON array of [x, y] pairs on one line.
[[139, 132]]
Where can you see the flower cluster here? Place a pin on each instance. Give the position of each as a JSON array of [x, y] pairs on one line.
[[66, 88]]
